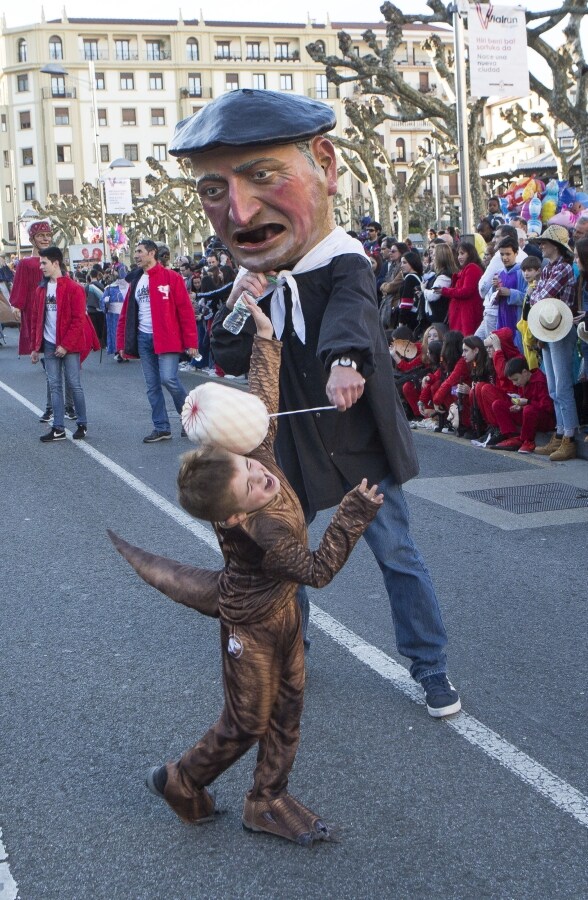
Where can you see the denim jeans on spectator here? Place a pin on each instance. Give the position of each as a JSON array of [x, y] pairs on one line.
[[69, 401], [160, 370], [558, 360], [56, 367], [420, 633]]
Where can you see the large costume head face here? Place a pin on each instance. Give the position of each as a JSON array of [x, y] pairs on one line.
[[264, 172], [40, 235]]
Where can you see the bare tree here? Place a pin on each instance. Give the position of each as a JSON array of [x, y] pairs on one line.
[[376, 73], [518, 119]]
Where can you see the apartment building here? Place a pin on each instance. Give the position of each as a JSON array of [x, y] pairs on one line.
[[149, 74]]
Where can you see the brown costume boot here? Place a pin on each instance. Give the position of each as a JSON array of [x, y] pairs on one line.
[[194, 808], [565, 451], [285, 817], [553, 445]]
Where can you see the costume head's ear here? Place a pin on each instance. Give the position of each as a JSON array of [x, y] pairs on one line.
[[323, 151]]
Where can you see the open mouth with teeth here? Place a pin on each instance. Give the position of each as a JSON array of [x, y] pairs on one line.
[[258, 235]]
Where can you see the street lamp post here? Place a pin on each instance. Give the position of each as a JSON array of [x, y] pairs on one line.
[[459, 9], [55, 69]]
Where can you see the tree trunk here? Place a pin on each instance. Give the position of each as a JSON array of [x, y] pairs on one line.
[[403, 210]]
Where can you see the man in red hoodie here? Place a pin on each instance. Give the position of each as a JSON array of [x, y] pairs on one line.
[[531, 411], [157, 323]]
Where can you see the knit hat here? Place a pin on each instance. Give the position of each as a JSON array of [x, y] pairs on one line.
[[550, 319], [559, 235], [40, 227]]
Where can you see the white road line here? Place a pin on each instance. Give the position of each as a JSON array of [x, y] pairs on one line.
[[532, 773], [8, 888]]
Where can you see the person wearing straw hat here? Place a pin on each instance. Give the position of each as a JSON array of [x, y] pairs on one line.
[[266, 174], [551, 321]]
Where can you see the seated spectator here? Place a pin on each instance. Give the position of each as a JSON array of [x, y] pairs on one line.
[[455, 371], [411, 387], [427, 414], [465, 304], [500, 347], [526, 411], [472, 423]]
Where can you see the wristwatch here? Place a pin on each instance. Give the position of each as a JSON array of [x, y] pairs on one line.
[[344, 361]]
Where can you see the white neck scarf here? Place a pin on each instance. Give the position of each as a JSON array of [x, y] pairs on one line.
[[337, 243]]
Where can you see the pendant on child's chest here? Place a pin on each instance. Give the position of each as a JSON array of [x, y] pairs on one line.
[[235, 646]]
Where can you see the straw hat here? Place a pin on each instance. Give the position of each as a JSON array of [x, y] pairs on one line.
[[550, 319], [559, 235]]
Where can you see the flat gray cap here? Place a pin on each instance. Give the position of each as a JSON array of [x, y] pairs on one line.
[[247, 117]]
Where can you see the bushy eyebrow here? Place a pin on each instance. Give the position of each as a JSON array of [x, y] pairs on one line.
[[238, 170]]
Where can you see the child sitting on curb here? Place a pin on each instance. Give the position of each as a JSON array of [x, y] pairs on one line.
[[522, 415]]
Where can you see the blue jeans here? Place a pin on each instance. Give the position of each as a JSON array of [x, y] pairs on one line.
[[419, 629], [69, 403], [160, 370], [558, 362], [55, 368]]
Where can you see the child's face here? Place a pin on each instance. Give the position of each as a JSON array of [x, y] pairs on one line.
[[520, 378], [508, 256], [531, 275], [469, 353], [253, 486]]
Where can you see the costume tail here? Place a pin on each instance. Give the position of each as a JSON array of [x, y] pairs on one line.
[[194, 587]]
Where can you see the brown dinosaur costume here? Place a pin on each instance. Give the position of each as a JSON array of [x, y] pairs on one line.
[[254, 595]]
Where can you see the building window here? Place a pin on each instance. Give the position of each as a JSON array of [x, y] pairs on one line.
[[57, 86], [154, 50], [158, 116], [90, 49], [11, 235], [27, 156], [29, 190], [66, 186], [223, 50], [282, 50], [6, 158], [127, 81], [401, 179], [259, 82], [285, 82], [3, 124], [55, 47], [194, 85], [22, 83], [8, 192], [22, 50], [232, 82], [253, 50], [104, 153], [122, 49], [400, 150], [24, 119], [155, 81], [102, 118], [129, 116], [453, 184], [100, 81], [321, 87], [135, 186], [61, 115], [424, 82], [160, 152], [64, 153], [192, 52], [196, 109], [131, 152]]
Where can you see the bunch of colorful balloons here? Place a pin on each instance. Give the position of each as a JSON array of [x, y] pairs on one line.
[[557, 203]]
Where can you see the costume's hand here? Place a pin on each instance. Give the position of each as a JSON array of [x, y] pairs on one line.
[[370, 493], [263, 323], [60, 351], [35, 357], [344, 387], [255, 283]]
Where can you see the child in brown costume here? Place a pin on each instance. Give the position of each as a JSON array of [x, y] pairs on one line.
[[262, 534]]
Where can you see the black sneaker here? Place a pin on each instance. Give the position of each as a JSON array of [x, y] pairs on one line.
[[498, 438], [80, 432], [441, 697], [156, 780], [56, 434], [157, 436], [70, 413], [47, 415]]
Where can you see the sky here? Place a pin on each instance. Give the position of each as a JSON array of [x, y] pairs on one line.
[[27, 12]]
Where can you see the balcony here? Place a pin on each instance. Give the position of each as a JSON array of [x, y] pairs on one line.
[[329, 93], [231, 58], [156, 55], [126, 55], [293, 57], [98, 54], [198, 93], [66, 93], [261, 58]]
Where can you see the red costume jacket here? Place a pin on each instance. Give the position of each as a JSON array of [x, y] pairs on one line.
[[535, 391], [74, 329], [465, 304], [508, 351], [26, 280], [460, 375], [172, 314]]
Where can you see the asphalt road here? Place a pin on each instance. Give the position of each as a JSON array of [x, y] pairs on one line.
[[102, 677]]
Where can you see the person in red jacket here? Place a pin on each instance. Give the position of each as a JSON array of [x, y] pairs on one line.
[[58, 323], [457, 372], [501, 348], [465, 304], [530, 411], [157, 324]]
